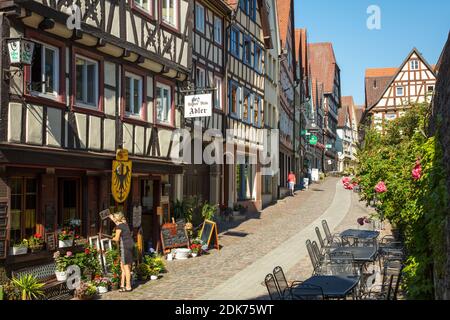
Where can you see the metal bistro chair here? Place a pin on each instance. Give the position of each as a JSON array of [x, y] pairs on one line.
[[314, 260], [283, 287], [342, 264], [320, 256], [325, 247], [331, 238], [272, 287]]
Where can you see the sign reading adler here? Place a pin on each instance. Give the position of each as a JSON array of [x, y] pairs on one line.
[[121, 176], [199, 105]]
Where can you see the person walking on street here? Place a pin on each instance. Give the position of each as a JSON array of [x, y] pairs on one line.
[[292, 181]]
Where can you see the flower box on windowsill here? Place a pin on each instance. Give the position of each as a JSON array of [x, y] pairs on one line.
[[17, 251], [65, 243]]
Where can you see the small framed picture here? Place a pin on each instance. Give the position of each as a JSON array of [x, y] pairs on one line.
[[94, 242]]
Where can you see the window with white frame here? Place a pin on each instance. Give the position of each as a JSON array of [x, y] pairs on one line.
[[218, 93], [247, 53], [199, 17], [169, 12], [400, 91], [200, 77], [45, 71], [146, 5], [258, 59], [163, 103], [414, 64], [133, 94], [247, 106], [86, 81], [218, 30]]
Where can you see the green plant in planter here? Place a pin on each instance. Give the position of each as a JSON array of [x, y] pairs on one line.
[[155, 262], [208, 211], [86, 291], [21, 244], [113, 264], [11, 292], [143, 271], [62, 262], [29, 287]]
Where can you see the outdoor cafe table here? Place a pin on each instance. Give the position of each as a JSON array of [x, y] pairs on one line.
[[360, 254], [360, 234], [334, 287]]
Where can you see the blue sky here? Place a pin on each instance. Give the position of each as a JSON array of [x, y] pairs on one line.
[[404, 24]]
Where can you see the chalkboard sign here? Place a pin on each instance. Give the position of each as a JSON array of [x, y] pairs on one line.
[[50, 241], [209, 234], [173, 235]]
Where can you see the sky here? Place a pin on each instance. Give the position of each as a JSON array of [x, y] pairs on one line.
[[405, 24]]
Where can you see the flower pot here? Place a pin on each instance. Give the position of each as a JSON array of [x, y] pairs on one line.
[[61, 275], [102, 290], [36, 249], [182, 254], [153, 277], [16, 251], [65, 243], [194, 254]]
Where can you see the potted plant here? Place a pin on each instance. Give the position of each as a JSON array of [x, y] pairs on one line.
[[62, 263], [154, 273], [20, 248], [86, 291], [143, 271], [155, 265], [36, 242], [102, 284], [29, 287], [208, 211], [196, 247], [65, 238]]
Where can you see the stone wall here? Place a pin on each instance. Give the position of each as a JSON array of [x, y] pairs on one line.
[[440, 122]]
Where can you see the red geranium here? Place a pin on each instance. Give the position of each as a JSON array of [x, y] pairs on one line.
[[417, 171], [38, 236], [87, 251]]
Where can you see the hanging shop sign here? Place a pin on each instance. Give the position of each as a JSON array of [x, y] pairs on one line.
[[199, 105], [313, 140], [121, 176]]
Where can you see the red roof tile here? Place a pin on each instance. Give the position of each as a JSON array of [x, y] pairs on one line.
[[323, 64], [283, 12], [381, 72]]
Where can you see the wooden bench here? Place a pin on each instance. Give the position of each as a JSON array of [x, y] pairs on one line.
[[45, 273]]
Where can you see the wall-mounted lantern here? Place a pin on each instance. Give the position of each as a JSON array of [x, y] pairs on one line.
[[20, 52]]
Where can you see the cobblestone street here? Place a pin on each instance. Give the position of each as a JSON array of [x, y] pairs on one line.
[[251, 249]]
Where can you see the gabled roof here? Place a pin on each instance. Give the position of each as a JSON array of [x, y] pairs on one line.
[[374, 94], [265, 24], [301, 43], [284, 8], [343, 114], [323, 64]]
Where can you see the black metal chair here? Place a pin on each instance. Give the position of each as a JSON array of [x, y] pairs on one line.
[[272, 287], [341, 264], [283, 286], [324, 246], [307, 292], [314, 260], [331, 238], [320, 256]]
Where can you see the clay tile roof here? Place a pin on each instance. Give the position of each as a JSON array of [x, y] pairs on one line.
[[381, 72], [350, 103], [376, 82], [323, 64], [359, 110], [342, 116], [283, 11], [301, 44]]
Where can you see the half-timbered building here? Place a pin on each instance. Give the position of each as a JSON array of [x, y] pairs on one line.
[[271, 100], [105, 75], [248, 37], [324, 67], [391, 91], [211, 18], [288, 159]]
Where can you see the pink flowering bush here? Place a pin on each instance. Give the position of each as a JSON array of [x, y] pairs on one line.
[[381, 187], [417, 171]]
